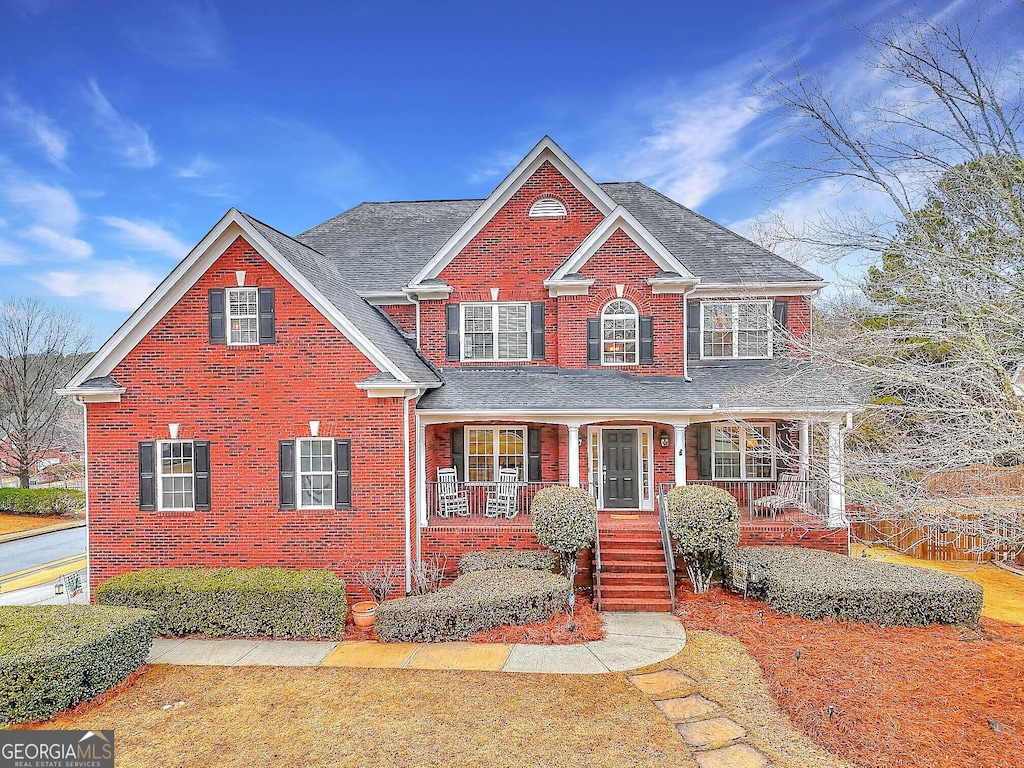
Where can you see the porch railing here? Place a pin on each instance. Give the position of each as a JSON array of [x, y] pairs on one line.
[[666, 543], [812, 497], [476, 497]]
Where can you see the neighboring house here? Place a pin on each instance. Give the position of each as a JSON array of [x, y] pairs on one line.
[[288, 400]]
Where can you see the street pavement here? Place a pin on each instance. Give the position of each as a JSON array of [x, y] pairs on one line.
[[34, 551]]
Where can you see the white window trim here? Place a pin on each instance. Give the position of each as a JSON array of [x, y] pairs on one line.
[[735, 332], [743, 427], [160, 477], [595, 464], [636, 329], [227, 315], [299, 473], [494, 326], [496, 445]]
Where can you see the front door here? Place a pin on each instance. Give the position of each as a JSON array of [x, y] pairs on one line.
[[621, 488]]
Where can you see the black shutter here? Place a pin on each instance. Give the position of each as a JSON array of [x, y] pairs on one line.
[[646, 341], [458, 442], [217, 330], [201, 457], [594, 341], [286, 474], [267, 330], [703, 451], [780, 309], [533, 468], [342, 474], [537, 329], [693, 329], [451, 322], [147, 477]]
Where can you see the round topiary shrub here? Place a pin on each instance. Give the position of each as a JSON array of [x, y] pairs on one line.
[[705, 524], [565, 521]]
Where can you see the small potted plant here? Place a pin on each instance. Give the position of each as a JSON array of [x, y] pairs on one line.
[[379, 580]]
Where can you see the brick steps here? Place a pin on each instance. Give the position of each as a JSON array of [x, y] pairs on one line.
[[633, 575]]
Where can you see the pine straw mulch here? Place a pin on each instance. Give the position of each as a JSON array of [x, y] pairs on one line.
[[17, 523], [884, 696]]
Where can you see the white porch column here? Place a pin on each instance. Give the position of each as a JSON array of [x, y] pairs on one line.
[[805, 448], [679, 446], [836, 476], [421, 474], [574, 455]]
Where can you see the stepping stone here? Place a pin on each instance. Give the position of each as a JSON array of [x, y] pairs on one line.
[[736, 756], [663, 681], [709, 733], [692, 707]]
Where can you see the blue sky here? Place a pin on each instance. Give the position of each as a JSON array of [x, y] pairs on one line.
[[128, 128]]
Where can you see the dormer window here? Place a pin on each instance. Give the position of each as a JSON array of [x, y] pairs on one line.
[[619, 334], [548, 208]]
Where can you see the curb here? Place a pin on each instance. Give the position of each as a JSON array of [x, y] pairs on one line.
[[28, 534], [42, 573]]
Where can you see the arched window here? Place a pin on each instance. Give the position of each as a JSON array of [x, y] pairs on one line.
[[619, 342], [547, 207]]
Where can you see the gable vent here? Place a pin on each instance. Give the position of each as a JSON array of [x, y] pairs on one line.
[[547, 207]]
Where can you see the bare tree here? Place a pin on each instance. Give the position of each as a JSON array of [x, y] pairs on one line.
[[936, 341], [40, 348]]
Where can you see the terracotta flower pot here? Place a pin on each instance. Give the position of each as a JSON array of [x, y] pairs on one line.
[[364, 613]]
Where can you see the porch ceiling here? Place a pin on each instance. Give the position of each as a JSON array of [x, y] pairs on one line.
[[762, 387]]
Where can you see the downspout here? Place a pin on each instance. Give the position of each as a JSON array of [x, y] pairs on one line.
[[408, 488], [686, 335], [85, 457]]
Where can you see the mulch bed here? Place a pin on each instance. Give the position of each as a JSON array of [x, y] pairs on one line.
[[884, 696]]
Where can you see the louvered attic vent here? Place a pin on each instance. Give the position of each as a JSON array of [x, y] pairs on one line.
[[547, 207]]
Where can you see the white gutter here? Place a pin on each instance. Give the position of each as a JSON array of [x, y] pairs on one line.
[[408, 505], [85, 461]]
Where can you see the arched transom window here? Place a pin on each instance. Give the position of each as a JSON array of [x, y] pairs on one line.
[[619, 342]]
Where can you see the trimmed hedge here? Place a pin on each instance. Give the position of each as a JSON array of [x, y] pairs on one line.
[[474, 602], [564, 519], [41, 501], [817, 585], [245, 602], [495, 559], [702, 519], [54, 657]]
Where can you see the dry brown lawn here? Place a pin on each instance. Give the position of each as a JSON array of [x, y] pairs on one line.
[[16, 523], [287, 716]]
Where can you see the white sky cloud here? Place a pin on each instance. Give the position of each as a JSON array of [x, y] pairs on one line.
[[50, 206], [38, 127], [115, 285], [146, 236], [60, 245], [199, 168], [128, 139], [10, 254], [183, 35]]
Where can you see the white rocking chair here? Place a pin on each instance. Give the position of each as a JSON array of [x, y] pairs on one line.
[[789, 494], [451, 500], [504, 499]]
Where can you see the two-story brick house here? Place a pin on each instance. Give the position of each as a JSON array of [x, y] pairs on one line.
[[289, 401]]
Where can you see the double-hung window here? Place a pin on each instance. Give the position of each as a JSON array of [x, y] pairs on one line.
[[176, 475], [491, 449], [619, 334], [743, 452], [316, 472], [496, 331], [738, 329], [243, 316]]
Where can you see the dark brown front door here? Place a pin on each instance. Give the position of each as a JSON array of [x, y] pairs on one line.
[[621, 475]]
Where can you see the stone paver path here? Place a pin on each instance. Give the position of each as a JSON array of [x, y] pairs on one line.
[[717, 740]]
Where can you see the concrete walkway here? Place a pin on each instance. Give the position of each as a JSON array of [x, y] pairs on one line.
[[631, 640]]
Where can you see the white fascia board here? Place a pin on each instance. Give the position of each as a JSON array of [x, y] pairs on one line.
[[582, 417], [672, 284], [385, 298], [621, 218], [754, 290], [93, 395], [545, 151], [395, 388], [429, 292], [568, 287], [232, 225]]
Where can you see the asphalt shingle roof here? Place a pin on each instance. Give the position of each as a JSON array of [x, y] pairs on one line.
[[323, 273], [769, 385], [381, 246]]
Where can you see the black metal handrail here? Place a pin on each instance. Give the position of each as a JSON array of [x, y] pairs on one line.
[[597, 560], [666, 543]]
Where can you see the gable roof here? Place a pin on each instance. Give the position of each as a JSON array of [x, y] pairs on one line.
[[309, 272], [546, 151], [380, 247]]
